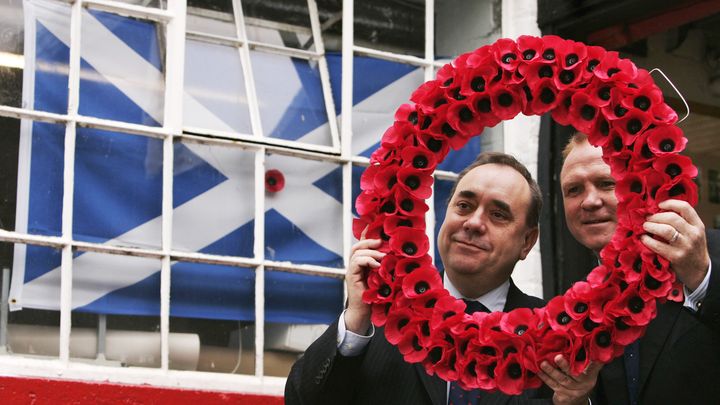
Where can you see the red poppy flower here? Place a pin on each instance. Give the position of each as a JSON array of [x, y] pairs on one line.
[[579, 359], [446, 75], [506, 54], [663, 114], [395, 136], [676, 292], [638, 311], [561, 113], [599, 276], [274, 180], [519, 321], [448, 311], [506, 102], [477, 367], [510, 374], [441, 357], [425, 303], [395, 222], [421, 281], [554, 343], [409, 242], [631, 125], [573, 54], [379, 313], [551, 44], [396, 323], [556, 315], [416, 182], [530, 48], [477, 79], [367, 202], [683, 189], [407, 265], [612, 68], [583, 114], [483, 107], [381, 288], [384, 180], [626, 334], [418, 158], [535, 72], [409, 205], [411, 346], [675, 166], [601, 346], [463, 119], [644, 98], [428, 96], [544, 97], [440, 128], [630, 186], [436, 144], [666, 140], [595, 54]]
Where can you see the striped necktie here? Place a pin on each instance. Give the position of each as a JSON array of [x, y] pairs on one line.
[[457, 395]]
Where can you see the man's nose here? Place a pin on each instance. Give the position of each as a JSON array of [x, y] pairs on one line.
[[475, 223], [593, 199]]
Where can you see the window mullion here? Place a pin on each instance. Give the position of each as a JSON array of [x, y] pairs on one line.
[[429, 74], [324, 73], [259, 253], [245, 61], [66, 277]]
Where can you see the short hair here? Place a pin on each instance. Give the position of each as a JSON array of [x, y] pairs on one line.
[[576, 139], [499, 158]]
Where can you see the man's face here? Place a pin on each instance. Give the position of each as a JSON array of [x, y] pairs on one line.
[[485, 231], [588, 192]]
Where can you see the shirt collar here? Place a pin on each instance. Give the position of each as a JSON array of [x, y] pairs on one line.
[[494, 299]]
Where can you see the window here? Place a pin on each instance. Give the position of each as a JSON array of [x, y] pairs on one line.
[[178, 179]]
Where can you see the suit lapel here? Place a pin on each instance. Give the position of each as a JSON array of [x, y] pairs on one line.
[[435, 386], [655, 338]]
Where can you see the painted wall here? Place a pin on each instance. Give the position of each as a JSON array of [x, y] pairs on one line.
[[38, 391]]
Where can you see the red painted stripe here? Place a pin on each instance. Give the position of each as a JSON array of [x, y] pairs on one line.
[[38, 391]]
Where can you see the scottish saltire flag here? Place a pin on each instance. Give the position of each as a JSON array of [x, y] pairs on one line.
[[118, 177]]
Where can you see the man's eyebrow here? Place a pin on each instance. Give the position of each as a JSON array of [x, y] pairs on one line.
[[466, 194], [502, 205]]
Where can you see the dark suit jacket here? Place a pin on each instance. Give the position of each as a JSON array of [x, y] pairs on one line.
[[679, 353], [380, 375]]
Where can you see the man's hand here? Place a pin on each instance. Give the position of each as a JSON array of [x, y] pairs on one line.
[[569, 390], [363, 258], [684, 246]]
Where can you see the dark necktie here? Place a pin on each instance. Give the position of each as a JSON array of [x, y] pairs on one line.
[[457, 395], [632, 370]]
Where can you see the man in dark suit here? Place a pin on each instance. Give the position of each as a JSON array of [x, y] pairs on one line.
[[677, 361], [490, 224]]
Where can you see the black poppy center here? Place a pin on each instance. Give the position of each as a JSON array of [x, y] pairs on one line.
[[571, 59], [673, 170], [391, 182], [388, 207], [549, 54], [407, 204], [545, 71], [413, 117], [636, 187], [448, 82], [426, 123], [508, 57], [421, 287], [420, 162], [567, 76], [617, 144], [604, 93], [478, 84], [667, 145], [592, 65], [580, 307], [521, 329], [634, 126], [409, 248], [514, 371], [413, 182], [620, 111], [589, 325], [642, 103], [563, 318], [547, 96], [677, 190], [434, 144], [465, 114], [405, 222], [651, 283], [603, 339], [587, 112], [528, 54], [448, 130], [384, 290], [435, 354], [505, 99], [636, 305], [484, 105]]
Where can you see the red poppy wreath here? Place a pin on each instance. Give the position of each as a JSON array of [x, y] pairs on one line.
[[622, 110]]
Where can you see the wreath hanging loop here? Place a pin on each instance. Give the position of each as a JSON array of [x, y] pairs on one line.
[[622, 111]]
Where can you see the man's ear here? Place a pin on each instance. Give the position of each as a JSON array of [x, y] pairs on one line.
[[531, 236]]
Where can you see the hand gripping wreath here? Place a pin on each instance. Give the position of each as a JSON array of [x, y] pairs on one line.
[[622, 111]]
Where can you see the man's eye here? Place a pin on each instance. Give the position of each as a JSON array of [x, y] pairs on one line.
[[572, 190], [499, 215], [608, 184]]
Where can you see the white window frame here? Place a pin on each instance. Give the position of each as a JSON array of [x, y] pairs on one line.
[[172, 130]]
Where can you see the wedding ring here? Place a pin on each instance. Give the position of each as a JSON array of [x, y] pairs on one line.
[[674, 237]]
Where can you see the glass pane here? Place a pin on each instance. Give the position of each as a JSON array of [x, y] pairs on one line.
[[122, 72], [212, 312], [285, 23], [462, 26], [31, 176], [393, 26], [147, 3], [441, 194], [303, 217], [47, 49], [379, 88], [118, 188], [11, 53], [127, 290], [33, 324], [215, 96], [290, 98], [213, 197], [211, 17]]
